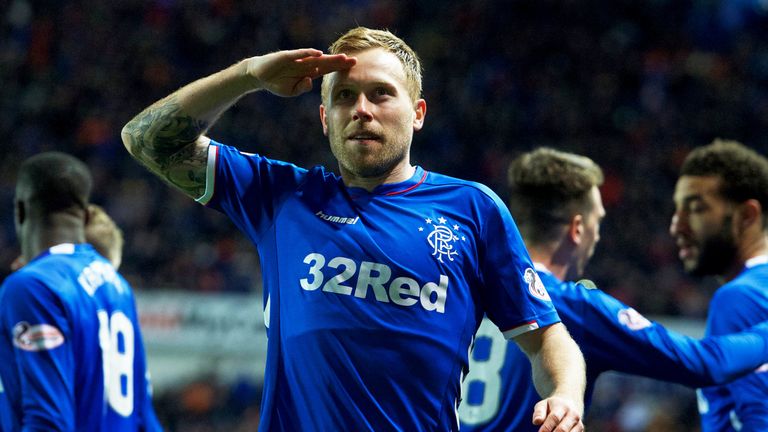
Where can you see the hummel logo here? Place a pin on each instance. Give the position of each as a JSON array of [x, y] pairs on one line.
[[337, 219]]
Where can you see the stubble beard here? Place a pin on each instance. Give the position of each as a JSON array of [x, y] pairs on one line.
[[576, 269], [378, 164]]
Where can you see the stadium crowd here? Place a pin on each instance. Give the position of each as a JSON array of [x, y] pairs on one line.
[[633, 85]]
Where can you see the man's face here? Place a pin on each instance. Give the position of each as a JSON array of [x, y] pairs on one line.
[[369, 117], [702, 226], [591, 235]]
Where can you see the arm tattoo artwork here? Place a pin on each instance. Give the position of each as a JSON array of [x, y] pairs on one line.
[[165, 140]]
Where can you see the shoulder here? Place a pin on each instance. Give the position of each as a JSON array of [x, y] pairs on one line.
[[584, 295], [743, 287], [434, 179], [474, 194], [738, 303], [57, 270], [232, 165], [24, 285], [575, 295], [19, 280], [223, 152], [582, 305]]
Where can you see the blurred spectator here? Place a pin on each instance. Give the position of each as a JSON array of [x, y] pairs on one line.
[[205, 405]]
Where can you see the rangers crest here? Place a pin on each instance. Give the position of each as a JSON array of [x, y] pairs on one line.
[[443, 238]]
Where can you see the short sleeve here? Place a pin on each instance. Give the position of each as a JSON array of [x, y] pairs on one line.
[[36, 322], [513, 296], [248, 188]]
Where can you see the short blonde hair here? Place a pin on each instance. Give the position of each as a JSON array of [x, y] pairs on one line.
[[361, 39], [105, 236]]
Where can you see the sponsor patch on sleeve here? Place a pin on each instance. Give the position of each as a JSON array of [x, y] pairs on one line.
[[38, 337], [535, 285], [632, 319]]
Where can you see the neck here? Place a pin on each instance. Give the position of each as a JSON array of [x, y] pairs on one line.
[[747, 250], [756, 247], [554, 259], [399, 173], [37, 237]]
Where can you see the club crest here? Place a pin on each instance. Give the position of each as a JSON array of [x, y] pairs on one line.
[[443, 237]]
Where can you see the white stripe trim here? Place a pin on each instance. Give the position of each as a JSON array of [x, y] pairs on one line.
[[517, 331], [456, 409], [210, 175]]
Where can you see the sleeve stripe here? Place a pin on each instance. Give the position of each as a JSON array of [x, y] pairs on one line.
[[210, 175], [523, 328]]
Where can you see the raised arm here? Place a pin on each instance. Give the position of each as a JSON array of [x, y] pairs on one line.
[[559, 377], [168, 137], [618, 338]]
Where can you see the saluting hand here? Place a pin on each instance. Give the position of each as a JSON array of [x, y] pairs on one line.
[[290, 73]]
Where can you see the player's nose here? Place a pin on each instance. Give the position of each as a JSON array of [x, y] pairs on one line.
[[676, 225], [362, 108]]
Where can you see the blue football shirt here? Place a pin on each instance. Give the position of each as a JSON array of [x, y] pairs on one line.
[[499, 393], [71, 354], [373, 298], [741, 405]]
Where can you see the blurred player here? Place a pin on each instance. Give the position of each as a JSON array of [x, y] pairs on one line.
[[720, 228], [558, 207], [101, 232], [104, 235], [71, 354], [375, 281]]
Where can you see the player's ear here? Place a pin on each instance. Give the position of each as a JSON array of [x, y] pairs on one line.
[[323, 120], [421, 111], [750, 212], [576, 228]]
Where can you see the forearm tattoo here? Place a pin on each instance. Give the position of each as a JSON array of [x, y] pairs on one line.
[[164, 139]]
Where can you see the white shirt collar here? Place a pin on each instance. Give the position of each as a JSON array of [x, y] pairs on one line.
[[542, 268], [755, 261], [62, 249]]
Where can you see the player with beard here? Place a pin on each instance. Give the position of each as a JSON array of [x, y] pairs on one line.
[[555, 198], [720, 228], [376, 280]]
